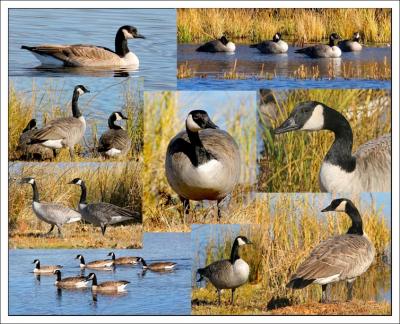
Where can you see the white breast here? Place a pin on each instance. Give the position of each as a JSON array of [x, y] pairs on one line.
[[113, 152], [54, 144], [334, 179], [241, 270], [283, 46], [336, 52], [208, 174], [230, 47], [130, 59]]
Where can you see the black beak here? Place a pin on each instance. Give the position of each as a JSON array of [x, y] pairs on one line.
[[329, 208], [249, 242], [124, 117], [139, 36], [287, 126], [210, 124]]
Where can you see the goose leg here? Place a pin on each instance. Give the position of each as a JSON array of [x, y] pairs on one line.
[[54, 153], [103, 229], [219, 297], [349, 285], [233, 297], [51, 230], [59, 231], [325, 293], [71, 152], [219, 209], [186, 207]]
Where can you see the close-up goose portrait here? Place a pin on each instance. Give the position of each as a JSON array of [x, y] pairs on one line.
[[274, 46], [218, 45], [202, 162], [330, 50]]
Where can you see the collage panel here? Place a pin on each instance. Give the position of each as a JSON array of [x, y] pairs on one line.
[[199, 158], [292, 265]]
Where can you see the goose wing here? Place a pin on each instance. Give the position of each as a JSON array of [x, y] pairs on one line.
[[70, 280], [58, 213], [212, 46], [110, 284], [112, 214], [114, 138], [57, 129]]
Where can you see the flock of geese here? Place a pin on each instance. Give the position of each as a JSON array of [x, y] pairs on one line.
[[43, 143], [277, 45]]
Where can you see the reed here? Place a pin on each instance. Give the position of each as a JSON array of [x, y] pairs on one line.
[[296, 25], [291, 162]]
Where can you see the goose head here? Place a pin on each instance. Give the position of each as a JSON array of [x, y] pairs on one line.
[[277, 37], [31, 125], [356, 37], [36, 261], [242, 240], [224, 40], [29, 180], [332, 38], [198, 120], [78, 182], [116, 115], [111, 254], [338, 205], [91, 276], [80, 90], [79, 257], [56, 272], [129, 32]]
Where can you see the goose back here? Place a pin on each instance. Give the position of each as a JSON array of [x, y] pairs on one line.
[[114, 142], [105, 213], [34, 151], [271, 47], [225, 275], [55, 214]]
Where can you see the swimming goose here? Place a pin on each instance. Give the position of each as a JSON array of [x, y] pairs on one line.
[[103, 214], [217, 45], [157, 266], [276, 46], [202, 162], [339, 258], [351, 45], [123, 260], [107, 286], [323, 50], [51, 213], [230, 273], [367, 170], [115, 141], [64, 132], [95, 264], [70, 282], [89, 55], [34, 151], [46, 269]]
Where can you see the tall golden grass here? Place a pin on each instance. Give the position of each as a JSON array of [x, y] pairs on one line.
[[116, 183], [162, 120], [296, 25], [290, 227], [291, 162]]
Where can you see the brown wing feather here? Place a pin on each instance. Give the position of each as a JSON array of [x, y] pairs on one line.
[[114, 138], [57, 129]]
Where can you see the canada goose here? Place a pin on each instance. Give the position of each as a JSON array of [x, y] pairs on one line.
[[157, 266], [115, 141], [51, 213], [217, 45], [343, 257], [123, 260], [33, 151], [102, 214], [230, 273], [202, 162], [70, 282], [274, 46], [367, 170], [323, 50], [94, 264], [89, 55], [63, 132], [46, 269], [107, 286], [351, 45]]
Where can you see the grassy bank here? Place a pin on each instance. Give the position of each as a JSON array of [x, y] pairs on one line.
[[296, 25], [291, 162], [161, 205], [290, 228], [48, 101], [116, 183]]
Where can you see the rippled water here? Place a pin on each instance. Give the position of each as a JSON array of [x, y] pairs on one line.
[[151, 294], [157, 53]]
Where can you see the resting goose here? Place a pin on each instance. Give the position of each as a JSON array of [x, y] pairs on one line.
[[89, 55], [51, 213], [351, 45], [323, 50], [339, 258], [202, 162], [367, 170], [228, 274], [63, 132], [70, 282], [46, 269], [95, 264], [217, 45], [103, 214], [157, 266], [276, 46], [107, 286]]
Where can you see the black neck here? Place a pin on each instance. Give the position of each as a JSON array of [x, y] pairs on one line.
[[94, 280], [144, 263], [121, 44], [340, 153], [58, 276], [113, 257], [331, 42], [112, 125], [37, 265], [75, 109], [35, 192], [356, 221], [235, 252], [83, 193], [201, 155], [82, 260]]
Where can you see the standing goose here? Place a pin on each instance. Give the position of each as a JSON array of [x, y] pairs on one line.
[[274, 46], [217, 45], [34, 151], [230, 273], [339, 258], [64, 132], [89, 55], [202, 162], [323, 50], [95, 264], [123, 260], [115, 141], [367, 170], [107, 286], [46, 269], [157, 266], [103, 214], [51, 213], [70, 282], [351, 45]]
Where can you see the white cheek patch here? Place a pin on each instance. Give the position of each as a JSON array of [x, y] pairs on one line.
[[32, 181], [277, 36], [191, 124], [341, 207], [79, 182], [316, 121], [80, 91], [127, 34], [241, 242], [118, 116]]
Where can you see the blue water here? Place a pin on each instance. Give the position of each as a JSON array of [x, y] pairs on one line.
[[151, 294], [157, 53]]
